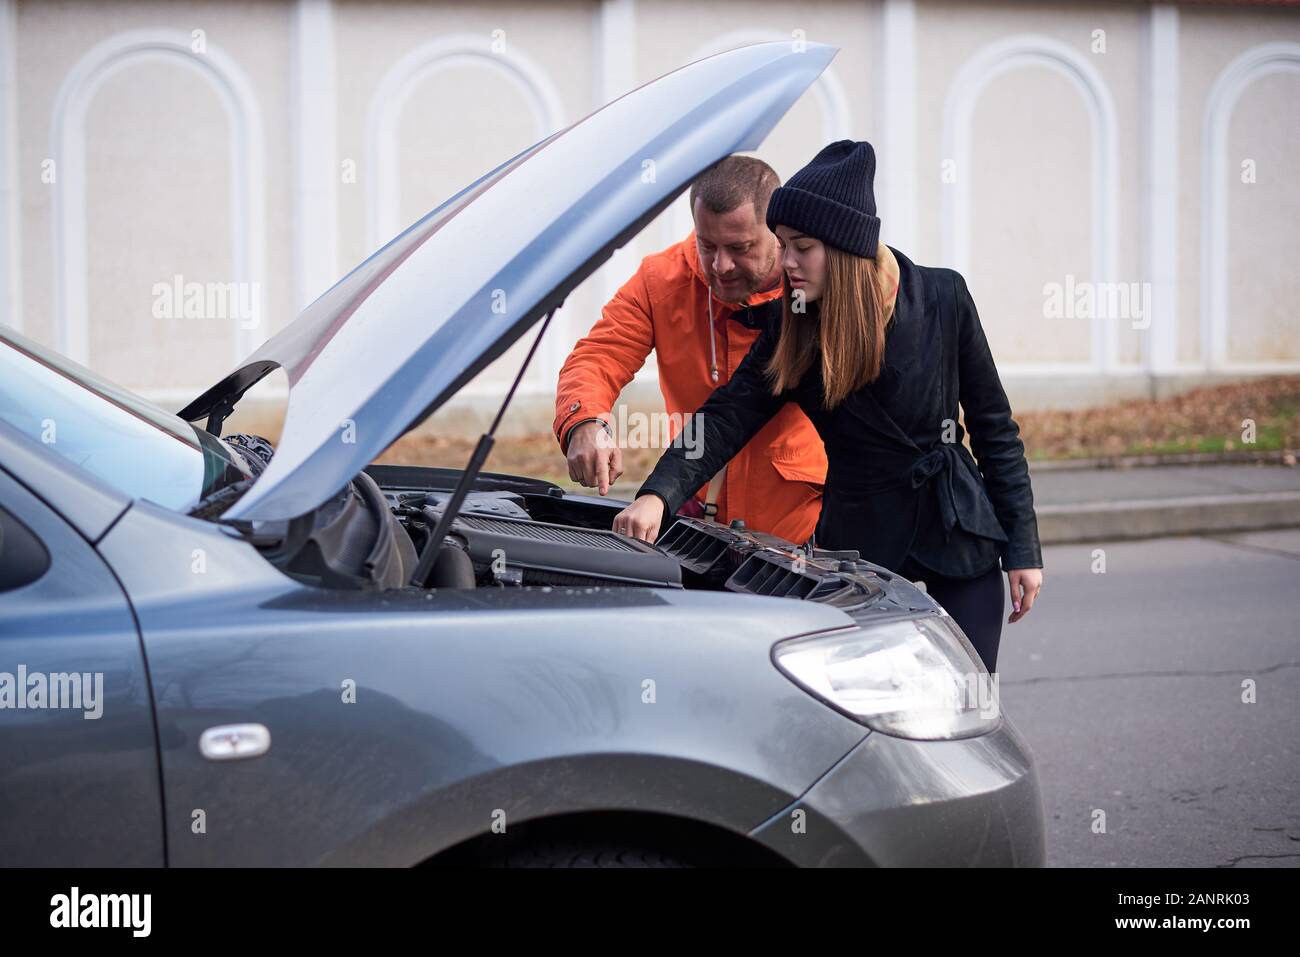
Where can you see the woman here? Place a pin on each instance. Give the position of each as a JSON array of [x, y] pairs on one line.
[[878, 352]]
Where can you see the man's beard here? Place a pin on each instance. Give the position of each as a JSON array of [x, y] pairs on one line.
[[750, 286]]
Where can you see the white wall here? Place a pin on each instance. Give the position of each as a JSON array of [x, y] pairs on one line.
[[304, 133]]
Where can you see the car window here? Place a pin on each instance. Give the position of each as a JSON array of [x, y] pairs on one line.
[[118, 437]]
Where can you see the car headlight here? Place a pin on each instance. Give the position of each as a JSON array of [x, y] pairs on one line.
[[918, 678]]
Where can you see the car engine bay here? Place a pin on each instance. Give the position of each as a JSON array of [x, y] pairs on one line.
[[525, 532], [513, 532]]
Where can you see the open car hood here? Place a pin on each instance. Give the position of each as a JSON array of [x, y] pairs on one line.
[[400, 334]]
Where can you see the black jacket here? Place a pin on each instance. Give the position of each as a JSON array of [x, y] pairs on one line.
[[894, 487]]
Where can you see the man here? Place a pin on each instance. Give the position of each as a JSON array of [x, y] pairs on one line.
[[728, 266]]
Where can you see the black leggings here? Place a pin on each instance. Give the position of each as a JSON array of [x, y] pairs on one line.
[[976, 604]]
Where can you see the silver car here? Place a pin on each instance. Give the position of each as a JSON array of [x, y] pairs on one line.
[[293, 656]]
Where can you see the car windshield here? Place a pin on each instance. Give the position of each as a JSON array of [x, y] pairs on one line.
[[118, 437]]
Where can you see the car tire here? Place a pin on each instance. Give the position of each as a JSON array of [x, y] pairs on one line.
[[560, 854]]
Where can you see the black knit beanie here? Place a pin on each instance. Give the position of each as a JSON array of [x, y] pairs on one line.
[[832, 199]]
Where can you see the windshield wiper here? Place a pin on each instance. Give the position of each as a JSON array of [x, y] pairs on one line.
[[475, 464]]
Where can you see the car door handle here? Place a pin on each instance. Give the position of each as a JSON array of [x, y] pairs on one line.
[[233, 742]]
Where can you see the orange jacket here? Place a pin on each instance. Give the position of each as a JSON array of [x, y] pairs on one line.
[[775, 483]]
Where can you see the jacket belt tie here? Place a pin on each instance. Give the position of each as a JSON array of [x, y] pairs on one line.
[[959, 490]]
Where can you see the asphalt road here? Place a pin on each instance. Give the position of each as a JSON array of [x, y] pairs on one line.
[[1128, 685]]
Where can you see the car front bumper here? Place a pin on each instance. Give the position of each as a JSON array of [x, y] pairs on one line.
[[892, 802]]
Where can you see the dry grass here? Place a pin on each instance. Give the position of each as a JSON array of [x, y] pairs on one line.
[[1203, 420]]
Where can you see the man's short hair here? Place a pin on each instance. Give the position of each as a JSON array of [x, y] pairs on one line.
[[734, 181]]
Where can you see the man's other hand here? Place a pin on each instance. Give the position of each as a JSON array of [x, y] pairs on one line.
[[594, 459]]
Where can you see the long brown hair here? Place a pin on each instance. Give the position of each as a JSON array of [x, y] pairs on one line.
[[850, 332]]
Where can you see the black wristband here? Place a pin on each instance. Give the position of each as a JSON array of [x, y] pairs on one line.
[[568, 435]]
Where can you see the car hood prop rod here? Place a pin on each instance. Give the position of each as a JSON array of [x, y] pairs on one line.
[[430, 552]]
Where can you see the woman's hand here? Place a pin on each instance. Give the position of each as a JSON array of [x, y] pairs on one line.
[[1024, 584], [641, 519]]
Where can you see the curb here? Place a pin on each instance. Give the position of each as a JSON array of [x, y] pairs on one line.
[[1159, 518], [1286, 457]]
